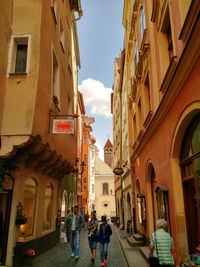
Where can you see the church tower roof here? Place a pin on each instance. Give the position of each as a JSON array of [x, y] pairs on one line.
[[108, 144]]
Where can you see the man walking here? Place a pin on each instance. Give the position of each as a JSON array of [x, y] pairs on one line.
[[74, 222]]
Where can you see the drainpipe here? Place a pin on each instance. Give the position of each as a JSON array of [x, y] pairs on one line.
[[121, 85]]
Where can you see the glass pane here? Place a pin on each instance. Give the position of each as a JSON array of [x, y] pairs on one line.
[[29, 207], [191, 142], [21, 58], [196, 139], [47, 215]]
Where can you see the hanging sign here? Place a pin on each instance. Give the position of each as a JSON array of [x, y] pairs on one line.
[[63, 126]]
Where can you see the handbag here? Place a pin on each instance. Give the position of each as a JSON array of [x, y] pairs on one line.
[[154, 261]]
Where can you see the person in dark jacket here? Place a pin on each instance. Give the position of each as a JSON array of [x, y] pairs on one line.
[[105, 232]]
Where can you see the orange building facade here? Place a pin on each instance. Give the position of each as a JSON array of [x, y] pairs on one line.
[[161, 74]]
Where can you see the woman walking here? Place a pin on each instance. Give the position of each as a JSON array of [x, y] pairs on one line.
[[93, 235], [161, 246], [105, 232]]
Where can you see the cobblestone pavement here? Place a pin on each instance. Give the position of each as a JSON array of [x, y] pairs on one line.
[[59, 256]]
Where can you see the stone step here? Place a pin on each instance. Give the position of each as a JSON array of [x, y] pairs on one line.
[[138, 237], [135, 243], [144, 251]]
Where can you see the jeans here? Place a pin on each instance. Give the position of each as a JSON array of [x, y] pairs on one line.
[[103, 251], [75, 242]]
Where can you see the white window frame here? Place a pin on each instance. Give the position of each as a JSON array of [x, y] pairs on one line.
[[16, 40]]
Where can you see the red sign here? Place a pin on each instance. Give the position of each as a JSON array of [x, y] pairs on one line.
[[63, 126]]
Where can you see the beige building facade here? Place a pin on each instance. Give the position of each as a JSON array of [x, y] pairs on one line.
[[40, 86], [104, 189]]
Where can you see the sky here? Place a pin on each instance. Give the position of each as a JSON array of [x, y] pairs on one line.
[[100, 34]]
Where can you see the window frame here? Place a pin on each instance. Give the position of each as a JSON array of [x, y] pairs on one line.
[[18, 40]]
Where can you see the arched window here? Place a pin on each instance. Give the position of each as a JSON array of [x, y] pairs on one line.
[[105, 188], [29, 205], [48, 201]]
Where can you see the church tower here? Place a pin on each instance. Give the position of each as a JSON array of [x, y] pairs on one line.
[[108, 153]]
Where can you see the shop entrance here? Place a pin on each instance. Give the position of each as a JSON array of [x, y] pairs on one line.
[[190, 170]]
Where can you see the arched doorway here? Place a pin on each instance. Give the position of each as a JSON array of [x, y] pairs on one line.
[[128, 215], [190, 174], [151, 196]]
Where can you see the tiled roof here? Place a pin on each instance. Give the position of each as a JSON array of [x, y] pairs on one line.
[[108, 144]]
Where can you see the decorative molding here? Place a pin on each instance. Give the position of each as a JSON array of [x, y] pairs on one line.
[[148, 119], [192, 15], [169, 74]]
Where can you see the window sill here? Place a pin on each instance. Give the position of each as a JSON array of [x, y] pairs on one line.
[[18, 73]]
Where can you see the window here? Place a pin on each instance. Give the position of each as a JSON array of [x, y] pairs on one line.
[[136, 52], [56, 82], [54, 10], [92, 154], [47, 214], [62, 37], [93, 188], [134, 128], [92, 171], [105, 204], [139, 116], [166, 29], [30, 190], [142, 22], [19, 55], [105, 188], [85, 139], [147, 94]]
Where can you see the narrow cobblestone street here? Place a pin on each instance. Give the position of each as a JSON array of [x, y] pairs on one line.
[[60, 255]]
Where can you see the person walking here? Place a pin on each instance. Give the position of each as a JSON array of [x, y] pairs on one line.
[[74, 222], [105, 232], [93, 235], [67, 226], [161, 246]]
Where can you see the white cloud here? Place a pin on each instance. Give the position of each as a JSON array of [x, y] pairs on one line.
[[96, 97]]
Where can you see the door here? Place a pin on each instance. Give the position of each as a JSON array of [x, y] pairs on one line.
[[191, 214], [5, 206]]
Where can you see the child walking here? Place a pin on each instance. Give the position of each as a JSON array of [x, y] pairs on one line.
[[105, 232]]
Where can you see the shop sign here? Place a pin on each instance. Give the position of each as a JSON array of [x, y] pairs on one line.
[[62, 126]]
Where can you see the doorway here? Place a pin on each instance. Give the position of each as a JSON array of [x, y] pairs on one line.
[[5, 207], [190, 172]]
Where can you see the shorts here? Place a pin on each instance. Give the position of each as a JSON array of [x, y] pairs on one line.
[[92, 244]]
